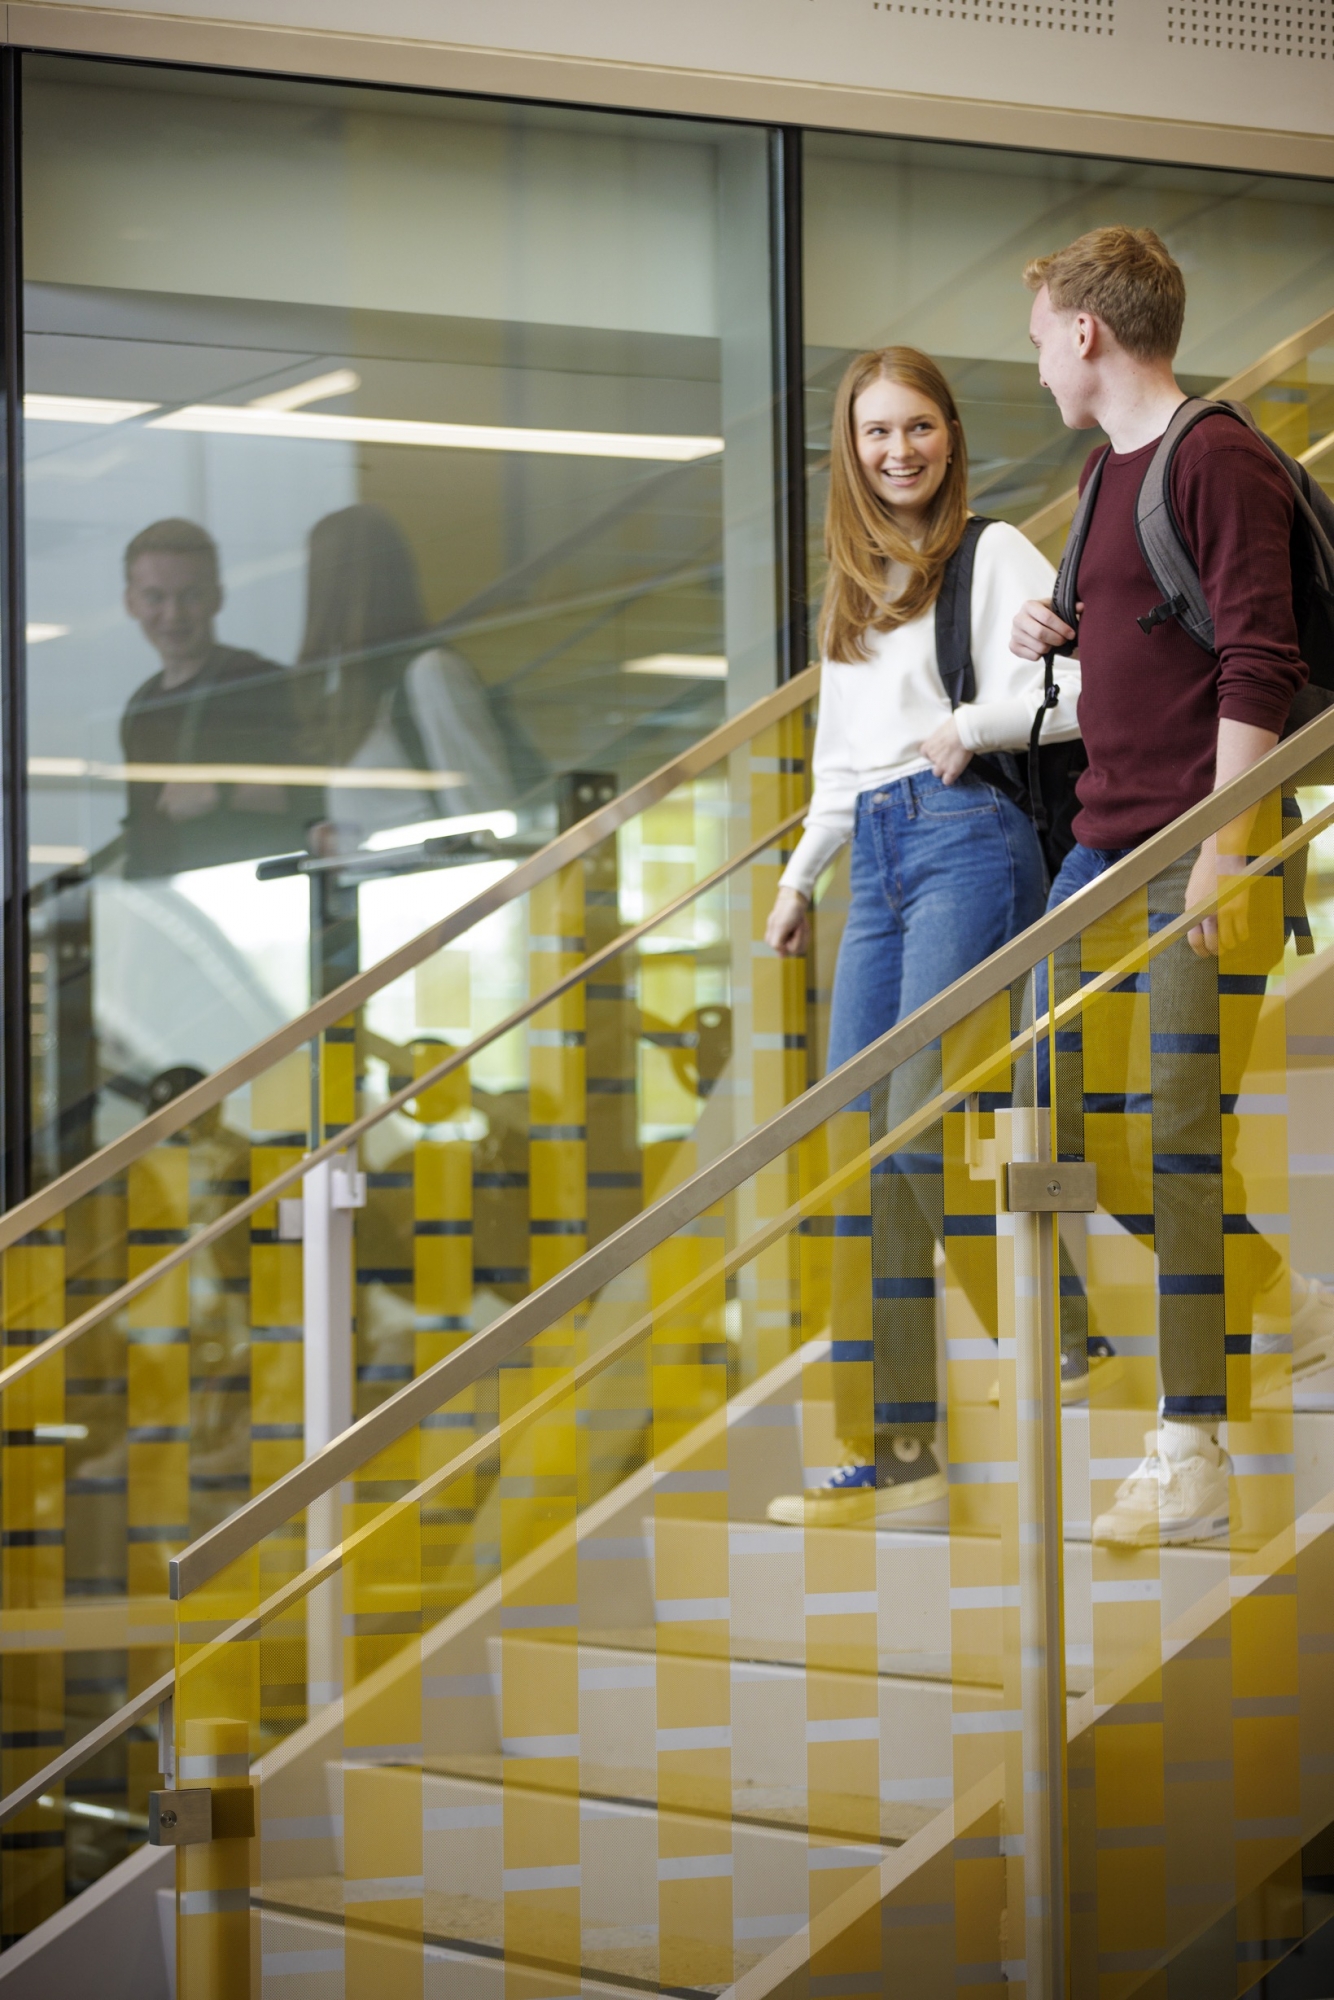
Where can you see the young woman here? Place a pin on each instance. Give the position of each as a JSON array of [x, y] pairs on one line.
[[945, 868], [381, 693]]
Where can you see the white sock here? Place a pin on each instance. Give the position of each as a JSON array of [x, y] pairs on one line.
[[1179, 1441]]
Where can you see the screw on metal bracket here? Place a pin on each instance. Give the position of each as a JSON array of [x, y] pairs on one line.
[[183, 1818], [1036, 1187]]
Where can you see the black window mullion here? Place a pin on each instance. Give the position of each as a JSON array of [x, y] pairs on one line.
[[789, 400], [15, 1078]]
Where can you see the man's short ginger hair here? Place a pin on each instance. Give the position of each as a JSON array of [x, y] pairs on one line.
[[1127, 278], [173, 537]]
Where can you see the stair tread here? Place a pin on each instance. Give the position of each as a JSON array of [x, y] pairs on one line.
[[761, 1808], [471, 1921]]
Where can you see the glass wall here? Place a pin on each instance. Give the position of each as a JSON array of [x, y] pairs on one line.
[[397, 463], [390, 459], [926, 244]]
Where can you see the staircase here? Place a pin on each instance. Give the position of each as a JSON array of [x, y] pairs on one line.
[[602, 1727], [525, 1683]]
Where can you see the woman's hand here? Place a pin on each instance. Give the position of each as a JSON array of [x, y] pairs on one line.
[[949, 759], [788, 931]]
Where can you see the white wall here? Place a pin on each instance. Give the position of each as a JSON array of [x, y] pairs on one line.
[[368, 203], [1170, 59]]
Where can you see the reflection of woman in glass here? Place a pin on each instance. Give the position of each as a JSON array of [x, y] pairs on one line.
[[945, 867], [380, 695]]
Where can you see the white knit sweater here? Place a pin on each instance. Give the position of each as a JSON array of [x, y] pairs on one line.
[[875, 714]]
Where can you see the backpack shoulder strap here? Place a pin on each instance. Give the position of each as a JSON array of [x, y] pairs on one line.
[[954, 615], [1158, 532], [1065, 590]]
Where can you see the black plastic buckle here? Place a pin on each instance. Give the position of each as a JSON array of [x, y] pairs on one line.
[[1161, 613]]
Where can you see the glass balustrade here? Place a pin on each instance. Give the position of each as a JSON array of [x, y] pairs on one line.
[[167, 1414], [583, 1679], [592, 1711]]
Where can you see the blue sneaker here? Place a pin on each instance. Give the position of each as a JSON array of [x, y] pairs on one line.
[[854, 1497]]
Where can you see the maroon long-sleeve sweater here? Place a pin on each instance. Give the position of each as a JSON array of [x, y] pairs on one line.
[[1152, 702]]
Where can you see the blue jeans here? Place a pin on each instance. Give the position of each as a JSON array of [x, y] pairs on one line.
[[1188, 1224], [942, 876]]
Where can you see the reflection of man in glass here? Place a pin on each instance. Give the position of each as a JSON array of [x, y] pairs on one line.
[[209, 707]]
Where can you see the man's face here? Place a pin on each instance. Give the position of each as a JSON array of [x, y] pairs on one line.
[[175, 599], [1061, 339]]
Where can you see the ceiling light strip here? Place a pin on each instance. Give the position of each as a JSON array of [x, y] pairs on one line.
[[232, 420]]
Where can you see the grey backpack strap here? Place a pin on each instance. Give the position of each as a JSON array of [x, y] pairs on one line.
[[954, 616], [1161, 542]]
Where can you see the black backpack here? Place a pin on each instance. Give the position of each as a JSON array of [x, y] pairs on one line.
[[1172, 567], [1044, 788]]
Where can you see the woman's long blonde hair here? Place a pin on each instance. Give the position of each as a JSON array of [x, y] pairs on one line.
[[861, 538]]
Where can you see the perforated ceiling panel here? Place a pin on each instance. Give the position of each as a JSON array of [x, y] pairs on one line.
[[1303, 29], [1079, 17]]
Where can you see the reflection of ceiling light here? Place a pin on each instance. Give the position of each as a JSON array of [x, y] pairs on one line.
[[38, 632], [683, 666], [230, 420], [277, 416], [40, 853], [341, 382], [82, 410], [344, 778], [504, 825]]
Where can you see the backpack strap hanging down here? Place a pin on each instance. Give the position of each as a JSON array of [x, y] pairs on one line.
[[954, 616], [954, 654]]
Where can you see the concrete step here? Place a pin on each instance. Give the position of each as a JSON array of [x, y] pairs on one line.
[[779, 1598], [769, 1716], [305, 1942], [622, 1852]]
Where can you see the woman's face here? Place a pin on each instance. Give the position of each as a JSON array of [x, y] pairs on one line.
[[904, 445]]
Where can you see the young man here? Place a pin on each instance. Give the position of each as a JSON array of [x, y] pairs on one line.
[[208, 704], [1165, 723]]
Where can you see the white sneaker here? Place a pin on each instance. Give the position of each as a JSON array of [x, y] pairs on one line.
[[1178, 1494], [1310, 1322]]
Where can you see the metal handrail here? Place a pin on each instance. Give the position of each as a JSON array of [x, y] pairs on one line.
[[1295, 348], [347, 998], [196, 1564], [761, 1237], [87, 1746], [349, 1135], [373, 1434]]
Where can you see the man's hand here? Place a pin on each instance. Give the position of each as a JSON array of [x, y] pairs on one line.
[[177, 801], [788, 931], [1037, 630], [949, 759], [1240, 745], [1230, 925]]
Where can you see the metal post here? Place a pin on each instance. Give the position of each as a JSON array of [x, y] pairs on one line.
[[330, 1193], [1042, 1631]]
